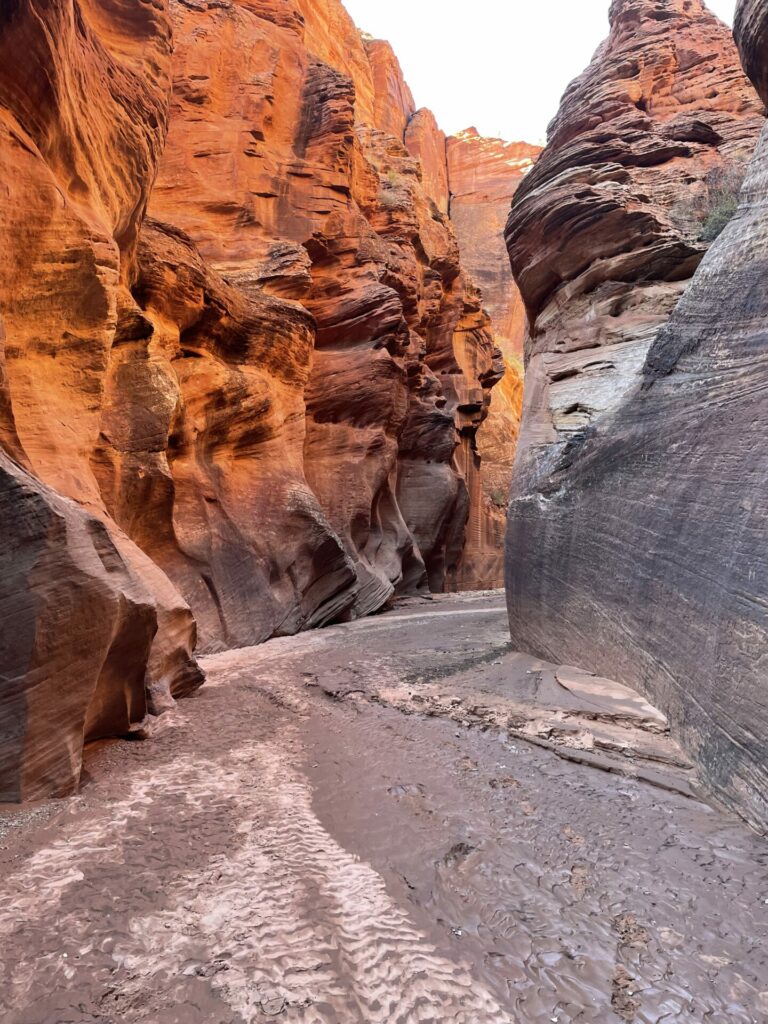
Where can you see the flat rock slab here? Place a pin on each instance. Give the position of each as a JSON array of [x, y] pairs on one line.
[[579, 715], [611, 699], [289, 845]]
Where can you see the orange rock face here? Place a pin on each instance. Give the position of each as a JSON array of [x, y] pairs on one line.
[[427, 143], [252, 411], [393, 104], [93, 633], [484, 175]]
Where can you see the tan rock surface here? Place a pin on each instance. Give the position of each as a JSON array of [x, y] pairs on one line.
[[612, 222]]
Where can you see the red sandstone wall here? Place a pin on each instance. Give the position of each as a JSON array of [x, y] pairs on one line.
[[242, 370]]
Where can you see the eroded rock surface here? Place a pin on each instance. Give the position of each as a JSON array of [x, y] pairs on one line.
[[315, 198], [613, 220], [484, 174], [93, 633], [267, 390], [637, 543]]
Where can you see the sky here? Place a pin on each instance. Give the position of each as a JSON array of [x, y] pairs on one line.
[[498, 65]]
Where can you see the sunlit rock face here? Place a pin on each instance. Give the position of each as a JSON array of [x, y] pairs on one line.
[[427, 143], [93, 633], [637, 542], [314, 197], [242, 371], [484, 174]]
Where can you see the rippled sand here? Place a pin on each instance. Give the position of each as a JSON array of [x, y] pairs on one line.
[[393, 821]]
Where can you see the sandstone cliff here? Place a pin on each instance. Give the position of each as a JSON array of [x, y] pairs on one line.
[[92, 632], [484, 174], [314, 198], [242, 370], [637, 540]]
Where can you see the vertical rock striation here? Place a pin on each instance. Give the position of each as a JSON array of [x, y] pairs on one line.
[[484, 175], [637, 539]]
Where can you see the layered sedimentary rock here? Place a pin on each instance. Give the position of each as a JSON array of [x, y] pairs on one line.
[[637, 541], [484, 174], [93, 633], [250, 412], [314, 197], [200, 457], [611, 224]]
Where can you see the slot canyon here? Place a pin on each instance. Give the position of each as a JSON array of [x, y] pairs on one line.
[[384, 504]]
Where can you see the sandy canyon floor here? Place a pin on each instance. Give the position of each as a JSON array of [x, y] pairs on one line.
[[397, 820]]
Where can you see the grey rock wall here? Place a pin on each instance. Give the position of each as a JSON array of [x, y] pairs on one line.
[[638, 545]]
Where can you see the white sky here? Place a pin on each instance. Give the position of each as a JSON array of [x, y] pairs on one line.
[[500, 65]]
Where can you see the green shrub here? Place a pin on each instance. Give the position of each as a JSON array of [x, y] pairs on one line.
[[723, 188], [707, 215], [499, 498], [719, 216]]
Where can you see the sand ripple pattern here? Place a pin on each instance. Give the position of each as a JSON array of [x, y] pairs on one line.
[[285, 923], [290, 847]]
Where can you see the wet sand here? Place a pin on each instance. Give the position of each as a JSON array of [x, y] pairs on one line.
[[398, 820]]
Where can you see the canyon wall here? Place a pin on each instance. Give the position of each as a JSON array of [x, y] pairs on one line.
[[484, 174], [93, 634], [637, 541], [242, 369]]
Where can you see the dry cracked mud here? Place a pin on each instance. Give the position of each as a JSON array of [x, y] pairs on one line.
[[397, 820]]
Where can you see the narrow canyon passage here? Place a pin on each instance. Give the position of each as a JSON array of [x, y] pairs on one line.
[[295, 374], [394, 820]]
